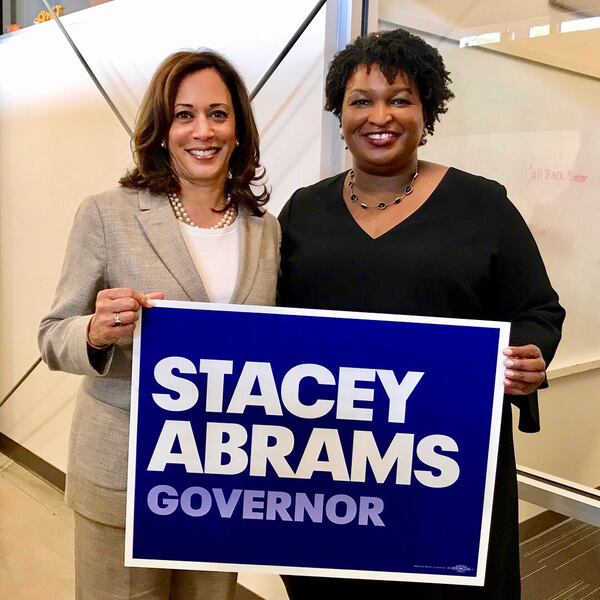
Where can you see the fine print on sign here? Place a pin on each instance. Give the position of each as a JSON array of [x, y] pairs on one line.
[[313, 442]]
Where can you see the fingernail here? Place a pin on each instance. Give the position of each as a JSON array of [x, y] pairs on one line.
[[150, 302], [508, 363], [507, 352], [509, 373]]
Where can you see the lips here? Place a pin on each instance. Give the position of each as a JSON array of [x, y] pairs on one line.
[[381, 139], [203, 153], [381, 135]]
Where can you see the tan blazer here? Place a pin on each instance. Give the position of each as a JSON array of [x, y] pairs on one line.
[[129, 238]]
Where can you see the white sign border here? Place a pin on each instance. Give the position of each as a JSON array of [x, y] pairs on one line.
[[478, 580]]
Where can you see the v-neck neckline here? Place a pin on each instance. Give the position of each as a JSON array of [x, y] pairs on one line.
[[407, 219]]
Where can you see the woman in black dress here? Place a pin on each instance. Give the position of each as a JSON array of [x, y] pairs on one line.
[[399, 235]]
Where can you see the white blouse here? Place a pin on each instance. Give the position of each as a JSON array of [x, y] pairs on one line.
[[215, 253]]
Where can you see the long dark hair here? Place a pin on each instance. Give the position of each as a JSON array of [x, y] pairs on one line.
[[153, 170]]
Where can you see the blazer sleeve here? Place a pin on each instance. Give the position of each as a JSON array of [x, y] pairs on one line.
[[62, 332], [523, 295]]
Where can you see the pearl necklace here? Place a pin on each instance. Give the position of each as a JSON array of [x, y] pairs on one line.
[[382, 205], [181, 213]]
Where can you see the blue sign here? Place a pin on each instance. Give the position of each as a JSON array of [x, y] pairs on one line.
[[313, 442]]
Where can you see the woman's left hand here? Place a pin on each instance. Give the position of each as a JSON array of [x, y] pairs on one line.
[[525, 370]]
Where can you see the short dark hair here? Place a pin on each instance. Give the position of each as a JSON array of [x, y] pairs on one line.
[[153, 169], [393, 52]]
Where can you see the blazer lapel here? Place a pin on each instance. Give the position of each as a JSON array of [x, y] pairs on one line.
[[162, 229], [251, 232]]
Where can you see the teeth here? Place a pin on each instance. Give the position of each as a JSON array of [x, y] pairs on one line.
[[380, 136], [203, 153]]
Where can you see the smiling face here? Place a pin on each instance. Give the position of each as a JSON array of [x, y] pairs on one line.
[[201, 138], [382, 122]]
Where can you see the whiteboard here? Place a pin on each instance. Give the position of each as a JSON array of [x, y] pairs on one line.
[[535, 129]]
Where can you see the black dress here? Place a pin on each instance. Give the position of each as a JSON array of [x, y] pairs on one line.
[[465, 253]]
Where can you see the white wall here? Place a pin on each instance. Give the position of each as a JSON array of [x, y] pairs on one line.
[[59, 142], [568, 445], [510, 118]]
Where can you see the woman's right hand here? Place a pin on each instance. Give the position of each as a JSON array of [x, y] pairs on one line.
[[117, 310]]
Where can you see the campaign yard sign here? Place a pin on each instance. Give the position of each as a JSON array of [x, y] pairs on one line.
[[313, 442]]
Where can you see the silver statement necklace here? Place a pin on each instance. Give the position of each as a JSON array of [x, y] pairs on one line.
[[382, 205], [181, 213]]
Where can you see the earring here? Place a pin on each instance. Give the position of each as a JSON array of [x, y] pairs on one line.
[[237, 143], [229, 174], [163, 145]]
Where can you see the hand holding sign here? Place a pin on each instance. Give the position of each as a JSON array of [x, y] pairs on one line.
[[116, 314], [525, 370]]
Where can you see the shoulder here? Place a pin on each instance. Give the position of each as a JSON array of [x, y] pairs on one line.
[[309, 198], [113, 201], [271, 224], [102, 213], [120, 200], [484, 204], [269, 219], [117, 195], [478, 195], [273, 229], [471, 183], [330, 185], [264, 228]]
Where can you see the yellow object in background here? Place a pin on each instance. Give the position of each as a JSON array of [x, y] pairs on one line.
[[44, 15]]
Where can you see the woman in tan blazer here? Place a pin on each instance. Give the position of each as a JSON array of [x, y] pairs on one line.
[[184, 225]]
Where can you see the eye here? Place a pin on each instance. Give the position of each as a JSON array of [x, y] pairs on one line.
[[183, 114], [219, 115], [360, 102], [401, 101]]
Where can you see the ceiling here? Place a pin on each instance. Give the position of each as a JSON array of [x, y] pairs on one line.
[[537, 30]]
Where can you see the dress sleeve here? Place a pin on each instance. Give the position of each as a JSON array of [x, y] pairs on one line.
[[63, 332], [284, 215], [284, 222], [523, 295]]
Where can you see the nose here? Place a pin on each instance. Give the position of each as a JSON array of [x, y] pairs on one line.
[[203, 129], [379, 114]]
